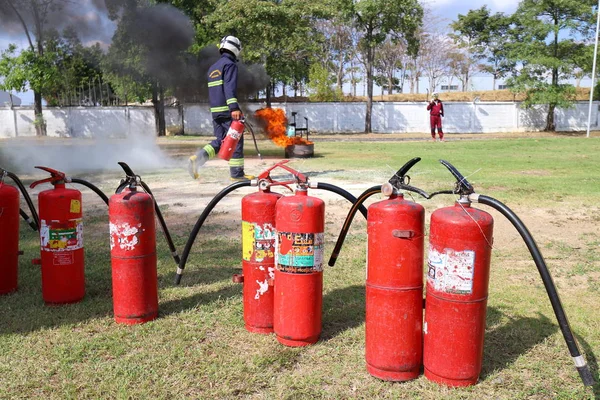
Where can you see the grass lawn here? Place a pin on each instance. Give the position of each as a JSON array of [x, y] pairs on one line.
[[198, 347]]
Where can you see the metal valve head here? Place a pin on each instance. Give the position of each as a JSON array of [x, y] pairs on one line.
[[463, 187]]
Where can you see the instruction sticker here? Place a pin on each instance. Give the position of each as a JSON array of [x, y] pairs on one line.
[[258, 241], [299, 252], [75, 206], [451, 271], [61, 235]]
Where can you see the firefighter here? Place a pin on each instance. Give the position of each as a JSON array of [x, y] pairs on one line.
[[224, 107], [436, 112]]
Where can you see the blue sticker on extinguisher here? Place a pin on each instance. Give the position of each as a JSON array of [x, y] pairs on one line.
[[299, 252]]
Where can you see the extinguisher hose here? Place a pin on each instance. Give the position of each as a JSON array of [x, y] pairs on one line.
[[163, 224], [361, 199], [30, 221], [580, 363], [27, 198], [344, 193], [201, 219], [91, 186]]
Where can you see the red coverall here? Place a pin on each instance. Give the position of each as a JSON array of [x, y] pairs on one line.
[[436, 112]]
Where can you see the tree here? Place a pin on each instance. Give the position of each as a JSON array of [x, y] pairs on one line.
[[546, 41], [388, 60], [31, 16], [484, 37], [378, 20]]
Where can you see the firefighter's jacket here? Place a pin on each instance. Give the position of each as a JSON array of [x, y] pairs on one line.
[[222, 87]]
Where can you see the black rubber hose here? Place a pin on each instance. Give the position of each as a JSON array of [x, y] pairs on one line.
[[361, 199], [201, 219], [563, 322], [344, 193], [26, 196], [92, 187], [30, 221], [163, 225]]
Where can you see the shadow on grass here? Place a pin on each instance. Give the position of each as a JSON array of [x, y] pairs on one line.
[[343, 309], [505, 343], [179, 305]]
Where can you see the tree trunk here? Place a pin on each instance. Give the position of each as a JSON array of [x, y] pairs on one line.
[[369, 68], [40, 124], [550, 126], [268, 93], [158, 101]]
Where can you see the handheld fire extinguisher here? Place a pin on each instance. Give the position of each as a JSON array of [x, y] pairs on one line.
[[61, 240], [394, 284], [9, 231], [258, 253], [133, 252], [299, 251], [457, 288], [233, 136]]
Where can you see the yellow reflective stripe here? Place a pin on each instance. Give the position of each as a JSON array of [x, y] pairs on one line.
[[236, 162], [215, 83], [219, 109], [232, 100], [210, 150]]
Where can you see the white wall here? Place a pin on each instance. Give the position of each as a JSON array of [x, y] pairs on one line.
[[388, 117]]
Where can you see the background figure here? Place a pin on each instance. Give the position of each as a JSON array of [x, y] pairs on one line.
[[436, 112], [224, 107]]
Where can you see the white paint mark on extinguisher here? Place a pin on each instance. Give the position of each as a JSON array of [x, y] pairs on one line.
[[263, 287], [124, 235], [425, 327]]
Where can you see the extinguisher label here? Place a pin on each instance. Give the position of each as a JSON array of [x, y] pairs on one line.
[[234, 134], [451, 271], [258, 241], [299, 252], [63, 258], [75, 206], [61, 235]]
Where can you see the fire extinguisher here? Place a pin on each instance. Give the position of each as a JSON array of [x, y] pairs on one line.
[[458, 270], [394, 285], [235, 132], [9, 233], [61, 240], [457, 288], [258, 254], [299, 250], [133, 254]]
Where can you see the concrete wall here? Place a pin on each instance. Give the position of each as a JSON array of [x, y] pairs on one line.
[[322, 118]]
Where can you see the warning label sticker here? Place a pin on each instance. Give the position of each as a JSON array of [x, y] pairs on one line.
[[451, 271], [61, 235], [299, 252], [258, 242]]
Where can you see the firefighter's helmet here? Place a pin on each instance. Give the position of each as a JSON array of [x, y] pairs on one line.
[[232, 44]]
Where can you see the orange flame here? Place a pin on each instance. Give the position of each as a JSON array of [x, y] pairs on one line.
[[276, 124]]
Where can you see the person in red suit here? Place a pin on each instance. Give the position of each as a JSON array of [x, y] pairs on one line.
[[436, 112]]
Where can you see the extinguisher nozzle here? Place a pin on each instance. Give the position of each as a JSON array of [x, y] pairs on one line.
[[586, 375], [178, 279]]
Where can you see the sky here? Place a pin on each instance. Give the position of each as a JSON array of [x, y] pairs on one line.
[[100, 28]]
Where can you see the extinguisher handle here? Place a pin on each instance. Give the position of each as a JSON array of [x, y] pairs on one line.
[[463, 187], [400, 177], [126, 168], [55, 176], [266, 175]]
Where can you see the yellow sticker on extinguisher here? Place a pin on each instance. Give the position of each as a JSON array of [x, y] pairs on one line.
[[75, 206]]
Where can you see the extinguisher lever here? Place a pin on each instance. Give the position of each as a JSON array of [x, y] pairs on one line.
[[55, 176], [400, 181], [463, 187], [126, 168], [266, 175]]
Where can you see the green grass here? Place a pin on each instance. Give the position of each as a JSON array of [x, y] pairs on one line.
[[198, 347]]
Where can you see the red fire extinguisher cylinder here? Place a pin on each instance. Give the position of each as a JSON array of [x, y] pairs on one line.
[[133, 257], [235, 132], [9, 238], [394, 289], [258, 259], [61, 239], [298, 298], [457, 291]]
